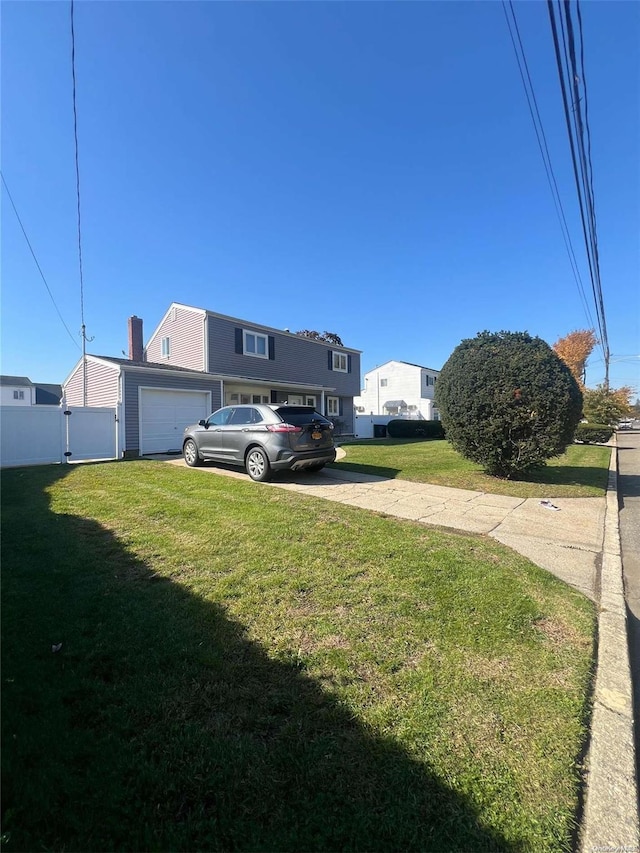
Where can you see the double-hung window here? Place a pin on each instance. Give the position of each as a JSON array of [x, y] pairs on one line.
[[166, 348], [256, 345], [333, 406], [340, 362]]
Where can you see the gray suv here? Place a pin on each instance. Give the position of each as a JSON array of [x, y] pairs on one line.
[[262, 438]]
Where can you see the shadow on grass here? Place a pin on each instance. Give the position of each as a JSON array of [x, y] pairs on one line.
[[159, 724]]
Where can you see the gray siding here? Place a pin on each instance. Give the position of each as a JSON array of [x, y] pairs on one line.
[[102, 385], [297, 359], [185, 330], [133, 379]]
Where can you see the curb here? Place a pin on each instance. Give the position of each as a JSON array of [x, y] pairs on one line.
[[610, 820]]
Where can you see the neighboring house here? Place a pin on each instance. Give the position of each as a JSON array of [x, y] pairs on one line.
[[196, 361], [399, 388], [16, 391], [21, 391]]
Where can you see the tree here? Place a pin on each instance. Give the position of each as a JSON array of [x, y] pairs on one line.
[[508, 402], [603, 405], [327, 337], [574, 349]]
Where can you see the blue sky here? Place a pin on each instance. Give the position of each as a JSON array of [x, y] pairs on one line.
[[365, 168]]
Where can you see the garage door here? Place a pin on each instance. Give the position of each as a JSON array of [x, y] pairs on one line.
[[164, 415]]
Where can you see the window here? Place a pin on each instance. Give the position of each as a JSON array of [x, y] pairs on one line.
[[340, 362], [333, 406], [220, 417], [18, 395], [310, 401], [383, 383], [243, 416], [255, 344], [166, 348]]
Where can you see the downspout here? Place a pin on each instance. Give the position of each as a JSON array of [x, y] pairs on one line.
[[205, 339], [121, 423]]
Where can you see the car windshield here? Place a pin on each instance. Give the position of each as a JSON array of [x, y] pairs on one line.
[[299, 415]]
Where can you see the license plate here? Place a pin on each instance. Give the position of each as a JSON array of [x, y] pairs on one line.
[[316, 434]]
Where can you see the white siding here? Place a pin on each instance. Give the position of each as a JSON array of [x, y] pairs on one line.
[[102, 385], [7, 398], [185, 329], [403, 382]]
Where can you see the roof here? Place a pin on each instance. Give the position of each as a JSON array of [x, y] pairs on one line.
[[395, 404], [15, 380], [409, 363], [48, 394], [203, 374], [252, 324], [151, 365]]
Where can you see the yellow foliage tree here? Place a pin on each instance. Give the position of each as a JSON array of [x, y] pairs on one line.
[[574, 349]]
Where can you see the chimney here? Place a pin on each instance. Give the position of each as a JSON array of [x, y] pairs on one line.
[[135, 339]]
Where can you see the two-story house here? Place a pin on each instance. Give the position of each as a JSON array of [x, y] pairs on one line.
[[399, 388], [196, 361]]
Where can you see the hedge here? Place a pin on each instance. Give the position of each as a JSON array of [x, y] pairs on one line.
[[593, 433], [415, 429]]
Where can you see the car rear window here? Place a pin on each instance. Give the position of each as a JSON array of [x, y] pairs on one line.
[[299, 415]]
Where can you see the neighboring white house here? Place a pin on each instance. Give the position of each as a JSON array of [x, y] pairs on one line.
[[399, 388], [17, 391], [21, 391]]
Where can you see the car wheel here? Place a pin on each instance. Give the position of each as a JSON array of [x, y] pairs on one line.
[[190, 453], [257, 465]]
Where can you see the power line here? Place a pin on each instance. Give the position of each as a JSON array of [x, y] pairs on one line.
[[532, 102], [75, 136], [36, 260], [83, 330], [582, 166]]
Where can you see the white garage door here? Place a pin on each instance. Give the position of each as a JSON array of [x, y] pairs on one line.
[[164, 415]]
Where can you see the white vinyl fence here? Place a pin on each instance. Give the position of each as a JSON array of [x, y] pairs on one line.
[[41, 435]]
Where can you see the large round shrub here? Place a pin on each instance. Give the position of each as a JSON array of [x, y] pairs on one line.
[[508, 402]]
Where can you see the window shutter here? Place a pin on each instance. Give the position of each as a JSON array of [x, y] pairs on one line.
[[272, 347], [348, 363], [239, 346], [330, 359], [274, 396], [340, 409]]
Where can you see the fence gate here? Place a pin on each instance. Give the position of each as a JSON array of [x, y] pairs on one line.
[[41, 435], [92, 433]]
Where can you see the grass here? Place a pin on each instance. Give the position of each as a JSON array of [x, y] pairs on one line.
[[581, 472], [246, 669]]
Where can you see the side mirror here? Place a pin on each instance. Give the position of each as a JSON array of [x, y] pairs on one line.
[[203, 423]]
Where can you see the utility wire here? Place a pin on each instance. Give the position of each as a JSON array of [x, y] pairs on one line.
[[83, 330], [75, 135], [538, 127], [36, 260], [582, 166]]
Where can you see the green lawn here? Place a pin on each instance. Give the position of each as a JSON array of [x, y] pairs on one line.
[[581, 472], [247, 669]]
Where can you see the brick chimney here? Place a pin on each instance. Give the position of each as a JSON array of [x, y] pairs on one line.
[[135, 339]]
